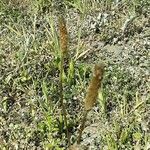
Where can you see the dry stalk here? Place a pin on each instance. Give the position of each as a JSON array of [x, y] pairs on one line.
[[63, 48], [91, 96]]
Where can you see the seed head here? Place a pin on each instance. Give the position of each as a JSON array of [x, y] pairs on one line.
[[94, 86], [63, 35]]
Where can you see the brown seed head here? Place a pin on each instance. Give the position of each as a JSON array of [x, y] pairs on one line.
[[94, 86], [63, 35]]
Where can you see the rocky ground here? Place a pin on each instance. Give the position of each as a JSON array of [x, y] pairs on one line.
[[118, 36]]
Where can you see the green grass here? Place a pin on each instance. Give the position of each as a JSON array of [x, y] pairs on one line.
[[29, 90]]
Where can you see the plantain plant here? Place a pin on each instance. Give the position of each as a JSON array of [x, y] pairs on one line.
[[94, 85]]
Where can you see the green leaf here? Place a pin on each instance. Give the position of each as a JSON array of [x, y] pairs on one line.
[[45, 91], [124, 135], [137, 136]]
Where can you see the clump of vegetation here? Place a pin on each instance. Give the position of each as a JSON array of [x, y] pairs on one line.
[[46, 99]]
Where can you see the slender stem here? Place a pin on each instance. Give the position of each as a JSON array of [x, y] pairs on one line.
[[64, 113], [82, 126]]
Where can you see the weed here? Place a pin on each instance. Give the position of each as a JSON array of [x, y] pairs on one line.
[[43, 82]]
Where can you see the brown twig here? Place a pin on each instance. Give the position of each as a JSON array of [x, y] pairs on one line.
[[82, 126]]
